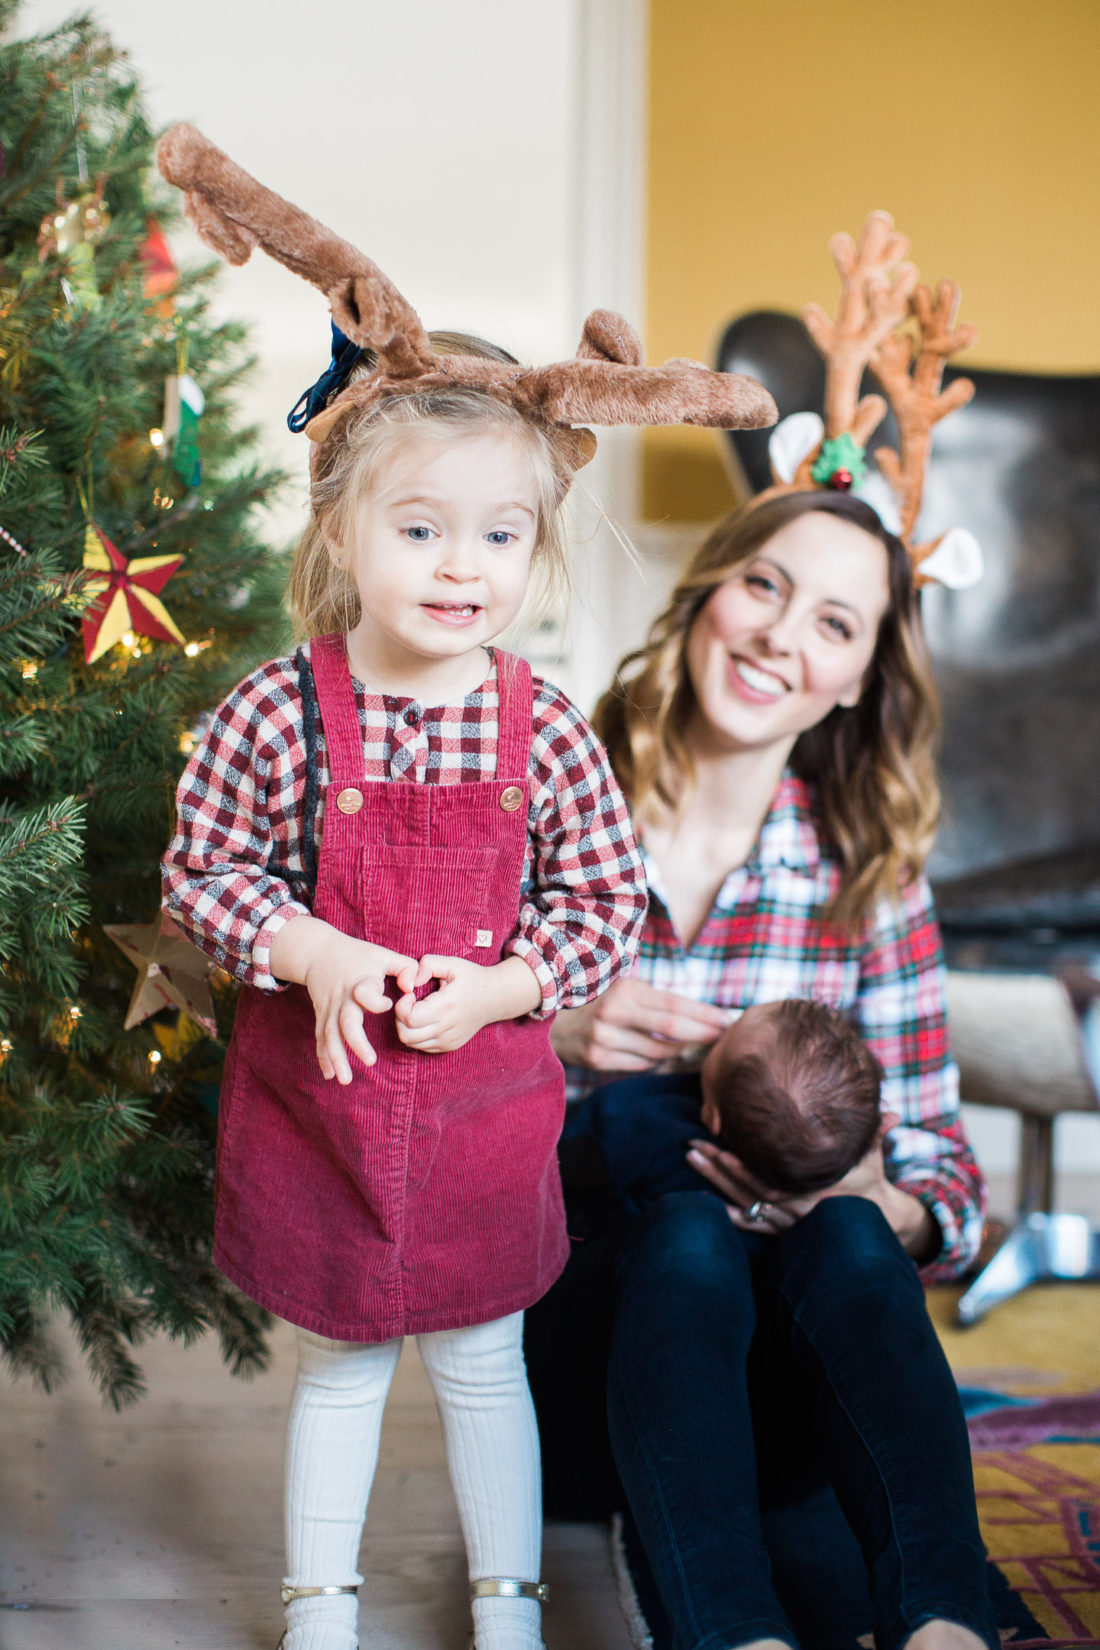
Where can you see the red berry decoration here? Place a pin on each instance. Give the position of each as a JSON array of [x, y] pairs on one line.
[[841, 480]]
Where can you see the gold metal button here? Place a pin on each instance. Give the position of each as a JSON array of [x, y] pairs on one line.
[[511, 798], [350, 801]]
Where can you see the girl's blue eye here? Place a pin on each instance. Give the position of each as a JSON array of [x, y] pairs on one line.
[[761, 580], [499, 537], [839, 627], [418, 535]]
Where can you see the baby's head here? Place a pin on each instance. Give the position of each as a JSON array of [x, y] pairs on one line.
[[793, 1091], [452, 440]]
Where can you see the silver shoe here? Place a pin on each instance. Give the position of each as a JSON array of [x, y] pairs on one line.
[[507, 1587], [287, 1593]]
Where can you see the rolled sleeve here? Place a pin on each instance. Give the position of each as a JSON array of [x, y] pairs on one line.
[[903, 1018], [216, 876], [585, 894]]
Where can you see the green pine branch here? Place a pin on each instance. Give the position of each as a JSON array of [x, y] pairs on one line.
[[106, 1135]]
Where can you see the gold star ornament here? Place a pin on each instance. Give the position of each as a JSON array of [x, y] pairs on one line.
[[171, 972]]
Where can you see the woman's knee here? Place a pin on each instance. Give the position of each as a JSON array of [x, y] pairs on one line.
[[686, 1240], [846, 1243]]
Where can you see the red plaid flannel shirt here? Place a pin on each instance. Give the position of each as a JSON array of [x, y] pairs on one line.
[[234, 872], [766, 939]]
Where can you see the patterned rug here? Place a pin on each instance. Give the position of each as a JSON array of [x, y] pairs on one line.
[[1030, 1381]]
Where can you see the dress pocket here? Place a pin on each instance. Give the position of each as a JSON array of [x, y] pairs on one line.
[[433, 900]]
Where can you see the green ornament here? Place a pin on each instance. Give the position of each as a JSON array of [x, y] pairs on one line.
[[839, 453], [183, 407], [81, 289]]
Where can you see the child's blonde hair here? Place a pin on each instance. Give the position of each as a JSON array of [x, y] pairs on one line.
[[323, 596]]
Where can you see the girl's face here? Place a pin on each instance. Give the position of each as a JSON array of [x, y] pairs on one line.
[[440, 551], [790, 634]]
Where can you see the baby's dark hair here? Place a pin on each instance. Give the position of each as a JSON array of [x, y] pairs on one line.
[[803, 1116]]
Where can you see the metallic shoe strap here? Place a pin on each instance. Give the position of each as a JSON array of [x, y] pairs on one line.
[[287, 1593], [508, 1587]]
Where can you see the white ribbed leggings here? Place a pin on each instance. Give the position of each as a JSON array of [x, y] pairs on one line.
[[480, 1384]]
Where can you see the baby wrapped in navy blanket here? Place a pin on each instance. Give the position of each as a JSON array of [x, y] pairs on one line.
[[790, 1088]]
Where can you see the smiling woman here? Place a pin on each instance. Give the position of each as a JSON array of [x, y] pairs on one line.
[[794, 636], [774, 740]]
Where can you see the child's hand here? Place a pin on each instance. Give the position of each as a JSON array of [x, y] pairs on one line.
[[344, 976], [469, 997]]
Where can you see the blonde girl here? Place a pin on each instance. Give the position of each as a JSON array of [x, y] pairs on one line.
[[401, 801]]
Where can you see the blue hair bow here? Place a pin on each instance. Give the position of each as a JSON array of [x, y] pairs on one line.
[[344, 356]]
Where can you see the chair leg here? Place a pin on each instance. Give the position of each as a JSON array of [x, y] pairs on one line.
[[1042, 1245], [1035, 1178]]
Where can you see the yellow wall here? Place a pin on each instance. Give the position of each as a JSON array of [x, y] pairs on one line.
[[775, 122]]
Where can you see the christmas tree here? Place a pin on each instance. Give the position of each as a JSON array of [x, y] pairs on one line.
[[133, 593]]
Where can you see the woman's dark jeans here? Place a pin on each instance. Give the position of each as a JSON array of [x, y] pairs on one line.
[[699, 1376]]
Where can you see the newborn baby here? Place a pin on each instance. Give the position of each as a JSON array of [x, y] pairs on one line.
[[793, 1091], [790, 1088]]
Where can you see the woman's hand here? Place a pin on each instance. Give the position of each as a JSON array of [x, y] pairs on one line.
[[633, 1027], [469, 996], [345, 978], [914, 1226]]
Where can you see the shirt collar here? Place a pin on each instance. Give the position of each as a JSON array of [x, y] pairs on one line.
[[789, 836]]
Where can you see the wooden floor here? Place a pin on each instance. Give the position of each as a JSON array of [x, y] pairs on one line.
[[161, 1527]]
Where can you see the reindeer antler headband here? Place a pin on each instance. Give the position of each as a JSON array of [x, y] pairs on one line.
[[606, 383], [879, 294]]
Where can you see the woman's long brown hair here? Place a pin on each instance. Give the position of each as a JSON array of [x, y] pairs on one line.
[[872, 766]]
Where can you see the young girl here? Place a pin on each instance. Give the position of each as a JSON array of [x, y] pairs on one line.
[[400, 801]]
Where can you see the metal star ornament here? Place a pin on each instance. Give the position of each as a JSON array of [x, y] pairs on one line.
[[127, 596], [171, 972]]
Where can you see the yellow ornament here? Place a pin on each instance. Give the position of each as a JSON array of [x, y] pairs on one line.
[[171, 972], [72, 223], [71, 231]]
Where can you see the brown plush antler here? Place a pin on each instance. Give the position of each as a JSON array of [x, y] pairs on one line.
[[233, 214], [606, 384], [911, 379], [875, 283]]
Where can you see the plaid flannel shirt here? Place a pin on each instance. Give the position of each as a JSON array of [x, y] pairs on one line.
[[235, 871], [766, 939]]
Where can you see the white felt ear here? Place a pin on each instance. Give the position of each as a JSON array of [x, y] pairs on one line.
[[955, 562], [876, 491], [792, 441], [191, 394]]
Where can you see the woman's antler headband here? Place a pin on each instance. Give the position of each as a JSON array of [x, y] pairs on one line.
[[605, 384], [879, 293]]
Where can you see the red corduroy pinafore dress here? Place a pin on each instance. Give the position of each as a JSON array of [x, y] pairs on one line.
[[424, 1195]]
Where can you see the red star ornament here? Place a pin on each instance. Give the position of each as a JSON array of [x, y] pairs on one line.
[[171, 972], [161, 273], [127, 596]]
